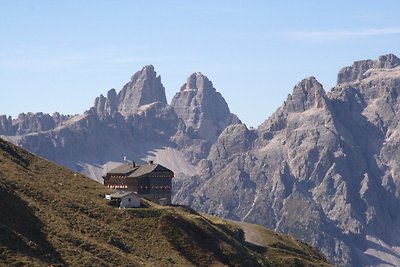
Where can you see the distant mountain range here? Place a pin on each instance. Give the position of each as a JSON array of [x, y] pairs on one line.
[[137, 123], [324, 167]]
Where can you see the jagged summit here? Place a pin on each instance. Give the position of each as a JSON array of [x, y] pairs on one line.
[[197, 81], [358, 70], [307, 94], [144, 88], [106, 104], [202, 108], [388, 61]]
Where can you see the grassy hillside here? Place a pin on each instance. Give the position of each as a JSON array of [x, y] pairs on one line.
[[282, 250], [51, 216]]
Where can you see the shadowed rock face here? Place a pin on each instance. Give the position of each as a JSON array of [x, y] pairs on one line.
[[202, 108]]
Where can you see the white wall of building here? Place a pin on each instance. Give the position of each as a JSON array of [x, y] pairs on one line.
[[130, 201]]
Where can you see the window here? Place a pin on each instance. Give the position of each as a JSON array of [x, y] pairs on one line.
[[129, 199]]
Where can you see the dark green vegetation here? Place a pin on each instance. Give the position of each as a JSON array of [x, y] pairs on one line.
[[51, 216]]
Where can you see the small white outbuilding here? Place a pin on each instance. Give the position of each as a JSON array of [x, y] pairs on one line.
[[125, 199]]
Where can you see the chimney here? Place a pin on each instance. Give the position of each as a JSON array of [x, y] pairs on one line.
[[133, 164], [151, 162]]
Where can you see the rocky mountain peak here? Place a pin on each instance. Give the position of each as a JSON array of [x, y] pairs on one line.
[[307, 94], [388, 61], [106, 105], [203, 109], [144, 88], [358, 70], [197, 81], [145, 72]]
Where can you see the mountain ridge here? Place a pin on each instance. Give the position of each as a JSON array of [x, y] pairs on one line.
[[322, 168]]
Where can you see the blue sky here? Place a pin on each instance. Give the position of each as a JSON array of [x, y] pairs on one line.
[[60, 55]]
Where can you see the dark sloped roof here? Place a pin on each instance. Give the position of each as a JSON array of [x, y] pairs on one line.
[[145, 169], [138, 170], [126, 169]]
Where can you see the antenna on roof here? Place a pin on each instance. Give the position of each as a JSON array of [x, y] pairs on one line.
[[128, 161]]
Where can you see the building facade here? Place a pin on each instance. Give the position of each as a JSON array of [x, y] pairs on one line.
[[124, 199], [151, 181]]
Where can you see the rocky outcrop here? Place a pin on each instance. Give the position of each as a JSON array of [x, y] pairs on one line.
[[106, 105], [306, 95], [27, 123], [359, 69], [6, 125], [202, 108], [235, 139], [144, 88]]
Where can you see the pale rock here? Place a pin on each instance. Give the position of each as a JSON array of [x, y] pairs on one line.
[[202, 108], [145, 87]]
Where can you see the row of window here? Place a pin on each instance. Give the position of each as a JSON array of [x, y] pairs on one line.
[[119, 176], [150, 176], [117, 186], [156, 187], [142, 187], [160, 176]]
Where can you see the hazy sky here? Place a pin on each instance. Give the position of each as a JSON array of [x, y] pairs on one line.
[[60, 55]]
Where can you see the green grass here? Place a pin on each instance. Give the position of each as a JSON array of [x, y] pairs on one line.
[[53, 217]]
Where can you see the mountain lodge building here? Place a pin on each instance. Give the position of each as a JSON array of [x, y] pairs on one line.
[[151, 181]]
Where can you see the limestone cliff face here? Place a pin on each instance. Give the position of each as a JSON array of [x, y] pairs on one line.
[[144, 88], [106, 105], [323, 167], [361, 69], [202, 108], [30, 122]]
